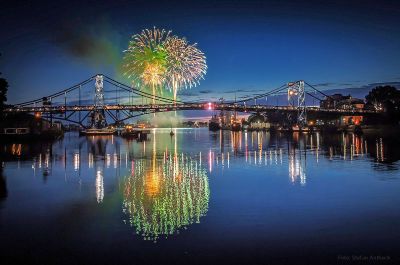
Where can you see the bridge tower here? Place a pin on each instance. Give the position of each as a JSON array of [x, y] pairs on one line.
[[99, 92], [296, 90], [98, 119]]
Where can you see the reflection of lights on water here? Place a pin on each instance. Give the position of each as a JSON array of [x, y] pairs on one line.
[[115, 160], [200, 159], [163, 196], [99, 186], [265, 157], [361, 145], [47, 160], [108, 160], [270, 157], [245, 144], [16, 149], [210, 161], [76, 161], [90, 160], [34, 166], [379, 150], [240, 140], [296, 168], [344, 146], [40, 161], [351, 151], [356, 144]]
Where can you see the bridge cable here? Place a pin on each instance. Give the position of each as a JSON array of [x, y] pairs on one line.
[[313, 87], [142, 93], [60, 93], [274, 91]]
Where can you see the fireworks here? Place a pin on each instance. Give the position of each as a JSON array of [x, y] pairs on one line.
[[145, 58], [162, 197], [156, 59], [186, 64]]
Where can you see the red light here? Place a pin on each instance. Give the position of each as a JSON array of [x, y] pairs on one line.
[[210, 107]]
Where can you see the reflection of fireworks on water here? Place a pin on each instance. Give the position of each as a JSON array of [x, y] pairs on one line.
[[99, 186], [163, 196]]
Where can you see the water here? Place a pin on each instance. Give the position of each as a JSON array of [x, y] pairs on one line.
[[201, 197]]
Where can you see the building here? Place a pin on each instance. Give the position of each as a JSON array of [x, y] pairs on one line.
[[351, 103], [351, 120], [258, 122], [338, 101]]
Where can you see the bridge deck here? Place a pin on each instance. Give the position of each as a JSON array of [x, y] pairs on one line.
[[191, 106]]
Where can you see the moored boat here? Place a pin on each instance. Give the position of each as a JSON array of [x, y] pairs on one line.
[[95, 131], [214, 124], [236, 126]]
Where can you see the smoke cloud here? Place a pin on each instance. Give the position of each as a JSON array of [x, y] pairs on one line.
[[97, 44]]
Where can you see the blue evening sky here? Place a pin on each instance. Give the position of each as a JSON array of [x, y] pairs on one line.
[[251, 46]]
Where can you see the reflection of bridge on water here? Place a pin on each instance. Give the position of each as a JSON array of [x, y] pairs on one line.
[[123, 102], [165, 190], [253, 148], [263, 149]]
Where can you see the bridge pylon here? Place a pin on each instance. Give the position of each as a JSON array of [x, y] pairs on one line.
[[296, 90], [98, 118]]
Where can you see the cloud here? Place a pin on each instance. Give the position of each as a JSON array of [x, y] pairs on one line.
[[324, 84], [205, 91], [188, 93], [359, 91]]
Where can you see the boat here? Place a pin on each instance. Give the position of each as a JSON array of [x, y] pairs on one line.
[[96, 131], [236, 126], [131, 132], [213, 124], [297, 128], [171, 133]]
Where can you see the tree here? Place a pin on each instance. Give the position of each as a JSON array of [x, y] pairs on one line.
[[3, 93], [385, 98]]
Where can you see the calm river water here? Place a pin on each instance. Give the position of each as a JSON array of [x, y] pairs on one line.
[[201, 198]]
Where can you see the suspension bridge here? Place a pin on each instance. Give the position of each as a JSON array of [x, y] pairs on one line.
[[100, 98]]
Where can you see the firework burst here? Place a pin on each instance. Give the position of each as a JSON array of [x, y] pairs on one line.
[[145, 59], [186, 64], [154, 58]]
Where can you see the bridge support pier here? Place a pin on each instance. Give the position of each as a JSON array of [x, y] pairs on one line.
[[296, 89]]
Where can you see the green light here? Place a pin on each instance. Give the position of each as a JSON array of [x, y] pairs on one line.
[[163, 196]]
